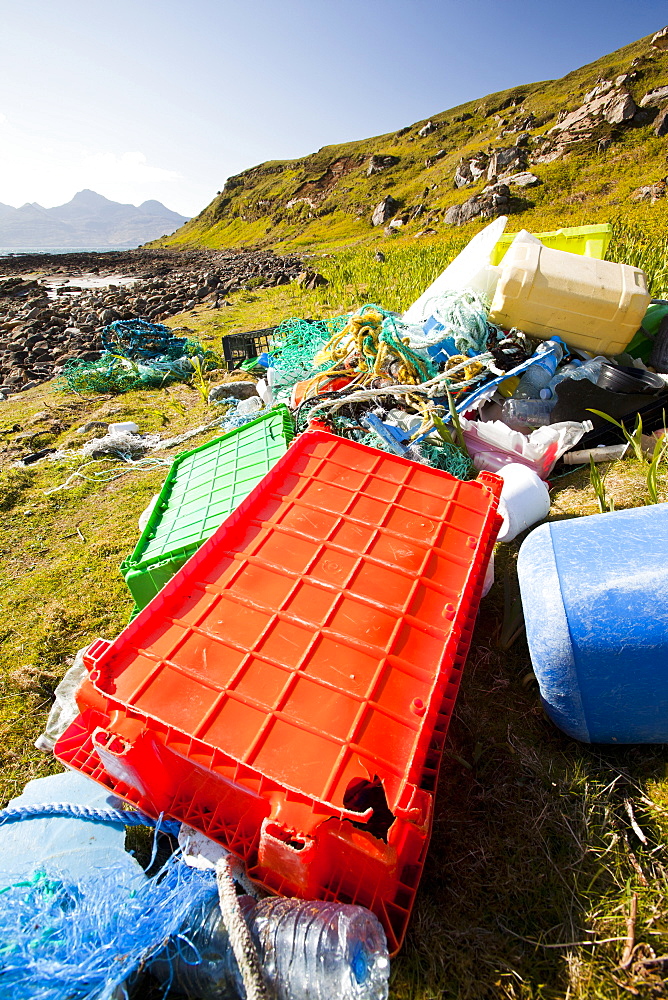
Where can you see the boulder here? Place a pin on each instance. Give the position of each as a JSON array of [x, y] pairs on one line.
[[661, 126], [470, 170], [614, 105], [427, 129], [654, 98], [384, 210], [432, 159], [379, 163], [651, 192], [310, 280], [524, 179], [508, 159], [660, 39], [235, 390], [494, 200]]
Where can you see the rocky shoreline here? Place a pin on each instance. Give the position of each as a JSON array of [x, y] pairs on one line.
[[53, 307]]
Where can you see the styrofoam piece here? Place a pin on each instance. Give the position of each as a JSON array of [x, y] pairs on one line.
[[123, 426]]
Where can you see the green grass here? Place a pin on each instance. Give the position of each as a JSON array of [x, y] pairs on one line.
[[534, 861], [255, 208]]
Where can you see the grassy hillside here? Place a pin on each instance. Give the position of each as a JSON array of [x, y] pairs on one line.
[[326, 199]]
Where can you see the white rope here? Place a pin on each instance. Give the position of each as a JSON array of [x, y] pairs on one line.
[[238, 933], [429, 389]]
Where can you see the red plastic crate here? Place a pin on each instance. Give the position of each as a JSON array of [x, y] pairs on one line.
[[288, 692]]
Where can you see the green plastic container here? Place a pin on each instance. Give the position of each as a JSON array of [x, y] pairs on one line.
[[202, 487], [588, 241]]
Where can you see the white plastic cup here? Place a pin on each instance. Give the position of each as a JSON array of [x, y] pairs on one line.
[[524, 500]]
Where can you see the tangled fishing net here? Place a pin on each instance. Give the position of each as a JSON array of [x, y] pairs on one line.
[[461, 316], [137, 355], [137, 338], [373, 343], [73, 940], [295, 343]]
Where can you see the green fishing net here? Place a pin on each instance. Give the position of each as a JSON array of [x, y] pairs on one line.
[[295, 343]]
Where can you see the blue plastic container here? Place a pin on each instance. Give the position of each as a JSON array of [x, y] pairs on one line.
[[595, 597]]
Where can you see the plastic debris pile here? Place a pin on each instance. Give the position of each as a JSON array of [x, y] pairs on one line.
[[348, 515]]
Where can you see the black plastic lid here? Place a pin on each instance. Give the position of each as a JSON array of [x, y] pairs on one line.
[[619, 379]]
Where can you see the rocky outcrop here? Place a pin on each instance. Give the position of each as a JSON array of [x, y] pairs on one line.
[[660, 39], [608, 104], [378, 163], [427, 130], [507, 160], [384, 211], [316, 191], [494, 200], [655, 98], [470, 170], [431, 160], [651, 192]]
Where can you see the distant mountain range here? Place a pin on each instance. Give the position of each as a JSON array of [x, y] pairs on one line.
[[88, 220]]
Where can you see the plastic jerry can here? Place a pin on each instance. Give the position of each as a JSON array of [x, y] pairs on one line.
[[595, 597], [592, 304]]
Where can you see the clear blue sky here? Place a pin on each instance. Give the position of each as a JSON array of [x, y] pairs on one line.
[[138, 99]]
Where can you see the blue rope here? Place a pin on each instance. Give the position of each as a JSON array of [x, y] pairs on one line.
[[120, 816]]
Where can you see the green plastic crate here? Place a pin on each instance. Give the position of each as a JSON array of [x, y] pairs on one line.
[[202, 487]]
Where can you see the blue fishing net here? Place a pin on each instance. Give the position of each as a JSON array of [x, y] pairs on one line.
[[137, 338], [70, 941]]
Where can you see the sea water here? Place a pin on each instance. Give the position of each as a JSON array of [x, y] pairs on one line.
[[19, 251]]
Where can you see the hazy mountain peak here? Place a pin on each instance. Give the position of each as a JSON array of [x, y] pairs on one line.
[[88, 219]]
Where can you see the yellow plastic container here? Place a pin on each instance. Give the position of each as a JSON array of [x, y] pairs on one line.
[[588, 241], [592, 304]]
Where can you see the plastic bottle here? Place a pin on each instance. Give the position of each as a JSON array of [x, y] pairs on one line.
[[521, 413], [309, 950], [538, 375], [575, 370]]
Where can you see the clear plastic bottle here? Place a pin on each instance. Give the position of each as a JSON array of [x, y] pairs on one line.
[[538, 375], [575, 370], [522, 413], [309, 950]]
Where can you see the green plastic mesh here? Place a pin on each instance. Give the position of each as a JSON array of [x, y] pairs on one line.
[[294, 345]]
